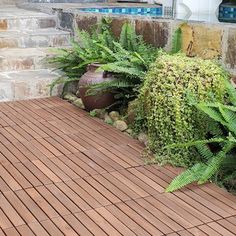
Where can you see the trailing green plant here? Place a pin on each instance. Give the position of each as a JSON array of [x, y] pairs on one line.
[[127, 57], [164, 110], [220, 159]]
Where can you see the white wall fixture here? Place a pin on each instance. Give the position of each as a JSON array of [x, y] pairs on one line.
[[167, 6], [197, 9]]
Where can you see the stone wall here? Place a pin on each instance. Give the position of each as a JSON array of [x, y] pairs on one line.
[[206, 40], [11, 2]]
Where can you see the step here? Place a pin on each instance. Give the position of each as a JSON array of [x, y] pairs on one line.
[[32, 39], [24, 58], [26, 84], [20, 19], [22, 23]]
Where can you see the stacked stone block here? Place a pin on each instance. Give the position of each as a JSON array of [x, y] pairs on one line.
[[26, 39]]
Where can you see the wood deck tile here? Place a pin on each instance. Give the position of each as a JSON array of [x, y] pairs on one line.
[[63, 172]]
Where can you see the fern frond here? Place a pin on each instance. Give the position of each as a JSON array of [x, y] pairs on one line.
[[205, 151], [195, 143], [214, 164], [191, 175], [231, 91], [213, 113], [117, 67]]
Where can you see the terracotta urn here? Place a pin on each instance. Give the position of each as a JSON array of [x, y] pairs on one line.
[[101, 99]]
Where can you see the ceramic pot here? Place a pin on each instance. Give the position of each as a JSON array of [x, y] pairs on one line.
[[101, 99]]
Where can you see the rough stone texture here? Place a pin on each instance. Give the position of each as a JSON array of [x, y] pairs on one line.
[[79, 103], [23, 59], [143, 138], [108, 119], [66, 20], [3, 24], [153, 32], [26, 84], [10, 2], [203, 41], [117, 24], [86, 22], [120, 125], [187, 38], [31, 39], [230, 59], [114, 115], [46, 23], [24, 40], [70, 97]]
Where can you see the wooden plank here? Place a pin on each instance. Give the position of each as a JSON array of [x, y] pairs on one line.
[[197, 232], [232, 220], [10, 212], [99, 220], [42, 203], [12, 183], [151, 229], [128, 221], [226, 224], [118, 225], [89, 224], [53, 201], [159, 214], [66, 173], [38, 229], [73, 196], [23, 212], [64, 226], [25, 230], [149, 217], [220, 229], [93, 192], [11, 232], [32, 205], [71, 206], [77, 225], [4, 222], [51, 228], [24, 183]]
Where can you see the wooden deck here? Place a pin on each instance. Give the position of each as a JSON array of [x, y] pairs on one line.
[[65, 173]]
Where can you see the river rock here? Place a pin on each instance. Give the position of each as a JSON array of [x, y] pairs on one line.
[[70, 97], [121, 125], [79, 103], [115, 115], [143, 138]]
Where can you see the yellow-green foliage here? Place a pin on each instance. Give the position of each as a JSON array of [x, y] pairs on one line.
[[165, 109]]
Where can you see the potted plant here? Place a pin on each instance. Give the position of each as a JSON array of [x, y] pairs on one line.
[[106, 67]]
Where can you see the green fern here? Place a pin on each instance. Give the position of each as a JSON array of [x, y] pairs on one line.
[[225, 115], [187, 177], [128, 58]]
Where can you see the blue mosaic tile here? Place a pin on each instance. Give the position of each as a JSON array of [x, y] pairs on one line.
[[155, 11], [227, 13]]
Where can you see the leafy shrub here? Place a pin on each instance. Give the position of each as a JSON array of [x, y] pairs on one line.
[[164, 108], [220, 162]]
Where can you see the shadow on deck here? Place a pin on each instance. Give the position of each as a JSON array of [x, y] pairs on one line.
[[65, 173]]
